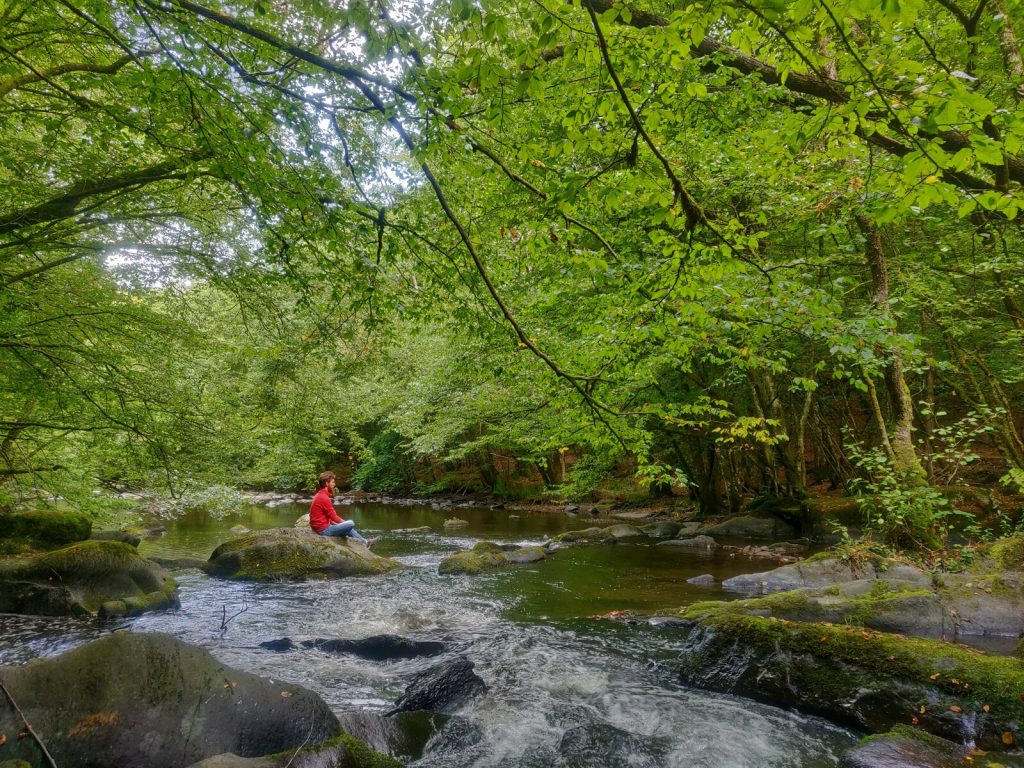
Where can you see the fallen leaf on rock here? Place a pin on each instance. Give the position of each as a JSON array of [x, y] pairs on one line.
[[936, 676], [985, 707], [955, 708], [1008, 738], [286, 694]]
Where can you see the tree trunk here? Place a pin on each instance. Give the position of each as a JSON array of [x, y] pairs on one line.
[[904, 457]]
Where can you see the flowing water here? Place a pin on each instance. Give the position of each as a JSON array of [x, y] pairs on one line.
[[550, 667]]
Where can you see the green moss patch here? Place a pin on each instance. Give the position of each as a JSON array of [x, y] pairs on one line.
[[43, 529]]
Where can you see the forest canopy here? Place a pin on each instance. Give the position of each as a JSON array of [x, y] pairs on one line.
[[735, 249]]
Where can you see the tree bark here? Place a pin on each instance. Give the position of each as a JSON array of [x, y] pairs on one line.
[[904, 457]]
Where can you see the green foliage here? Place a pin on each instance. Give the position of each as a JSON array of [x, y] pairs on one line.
[[386, 464], [914, 516]]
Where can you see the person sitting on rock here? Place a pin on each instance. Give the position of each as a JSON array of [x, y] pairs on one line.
[[325, 521]]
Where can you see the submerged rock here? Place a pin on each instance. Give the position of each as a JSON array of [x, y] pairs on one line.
[[704, 580], [455, 522], [443, 688], [866, 679], [662, 530], [103, 578], [624, 531], [695, 542], [376, 647], [606, 745], [151, 701], [293, 555]]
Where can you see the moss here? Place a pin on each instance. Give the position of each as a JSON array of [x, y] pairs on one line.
[[359, 754], [472, 562], [46, 528], [486, 546], [1009, 553], [965, 674]]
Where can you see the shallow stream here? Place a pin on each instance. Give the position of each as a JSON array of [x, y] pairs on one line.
[[549, 665]]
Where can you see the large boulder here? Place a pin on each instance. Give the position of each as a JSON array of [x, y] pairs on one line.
[[595, 535], [905, 747], [344, 751], [443, 688], [105, 578], [42, 529], [289, 554], [825, 571], [151, 701], [866, 679], [749, 527]]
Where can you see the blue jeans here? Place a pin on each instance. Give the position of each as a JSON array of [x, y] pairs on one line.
[[346, 528]]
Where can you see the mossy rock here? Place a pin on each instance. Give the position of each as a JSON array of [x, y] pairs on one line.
[[880, 605], [484, 556], [585, 536], [289, 554], [41, 529], [906, 747], [134, 699], [869, 680], [527, 555], [1008, 553], [80, 579]]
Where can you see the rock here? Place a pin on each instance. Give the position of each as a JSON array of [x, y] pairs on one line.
[[697, 542], [525, 555], [421, 529], [302, 522], [131, 539], [378, 647], [239, 529], [344, 751], [984, 604], [42, 529], [662, 530], [824, 572], [636, 515], [484, 556], [623, 531], [588, 535], [151, 701], [706, 580], [293, 555], [455, 522], [865, 679], [457, 735], [571, 509], [403, 734], [443, 688], [606, 745], [749, 527], [904, 747], [178, 563], [80, 579], [282, 644]]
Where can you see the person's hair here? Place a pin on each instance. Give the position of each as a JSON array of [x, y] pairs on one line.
[[324, 479]]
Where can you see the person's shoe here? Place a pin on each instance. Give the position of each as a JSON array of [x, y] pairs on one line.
[[371, 542]]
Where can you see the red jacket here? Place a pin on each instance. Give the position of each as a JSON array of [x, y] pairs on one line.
[[321, 511]]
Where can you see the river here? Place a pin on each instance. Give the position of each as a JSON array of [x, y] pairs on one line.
[[550, 667]]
